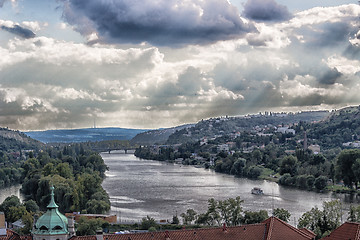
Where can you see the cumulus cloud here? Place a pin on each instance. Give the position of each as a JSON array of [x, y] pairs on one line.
[[19, 31], [266, 10], [32, 25], [164, 22], [47, 83]]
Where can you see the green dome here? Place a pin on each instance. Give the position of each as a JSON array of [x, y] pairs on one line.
[[52, 222]]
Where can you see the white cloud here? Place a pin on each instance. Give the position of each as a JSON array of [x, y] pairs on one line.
[[33, 26], [51, 83], [344, 65]]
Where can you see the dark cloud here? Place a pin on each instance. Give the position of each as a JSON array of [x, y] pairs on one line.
[[266, 10], [330, 77], [20, 31], [165, 22]]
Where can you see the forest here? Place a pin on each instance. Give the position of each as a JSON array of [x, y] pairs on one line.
[[74, 171]]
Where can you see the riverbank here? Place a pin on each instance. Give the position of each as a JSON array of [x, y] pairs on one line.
[[139, 187]]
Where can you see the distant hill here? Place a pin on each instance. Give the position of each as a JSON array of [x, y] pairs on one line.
[[341, 126], [84, 135], [14, 140], [215, 127], [159, 136]]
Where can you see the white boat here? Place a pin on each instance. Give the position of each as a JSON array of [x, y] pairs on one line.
[[257, 191]]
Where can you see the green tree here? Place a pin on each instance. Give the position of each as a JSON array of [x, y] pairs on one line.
[[255, 217], [356, 170], [282, 214], [147, 222], [354, 214], [48, 169], [202, 219], [31, 206], [236, 210], [212, 214], [332, 211], [288, 165], [321, 182], [311, 220], [175, 220], [345, 168], [238, 167], [15, 213], [287, 180], [301, 182], [12, 201], [189, 216], [321, 222], [254, 172], [64, 170], [89, 226], [317, 159], [28, 220], [97, 206], [310, 180]]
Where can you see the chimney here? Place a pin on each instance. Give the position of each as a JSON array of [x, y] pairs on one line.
[[167, 236], [99, 234], [224, 227], [71, 226]]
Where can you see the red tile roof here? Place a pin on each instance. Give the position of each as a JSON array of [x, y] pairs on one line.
[[248, 232], [308, 232], [10, 235], [271, 229], [278, 229], [91, 237], [347, 231]]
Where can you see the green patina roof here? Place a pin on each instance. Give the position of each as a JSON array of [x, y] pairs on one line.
[[52, 222]]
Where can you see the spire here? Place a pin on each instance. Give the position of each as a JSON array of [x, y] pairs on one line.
[[52, 203]]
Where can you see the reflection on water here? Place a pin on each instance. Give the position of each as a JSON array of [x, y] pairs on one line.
[[13, 190], [142, 187]]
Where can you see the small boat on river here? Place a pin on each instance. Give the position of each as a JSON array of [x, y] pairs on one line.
[[257, 191]]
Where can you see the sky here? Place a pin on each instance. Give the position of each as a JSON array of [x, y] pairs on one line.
[[163, 63]]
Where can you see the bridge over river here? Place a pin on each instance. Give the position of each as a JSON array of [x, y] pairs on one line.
[[115, 150]]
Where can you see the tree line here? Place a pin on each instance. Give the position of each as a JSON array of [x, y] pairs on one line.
[[74, 171], [302, 169]]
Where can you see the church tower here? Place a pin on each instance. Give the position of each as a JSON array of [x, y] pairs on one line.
[[52, 225]]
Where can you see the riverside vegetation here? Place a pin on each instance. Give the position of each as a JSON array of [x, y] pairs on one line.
[[74, 171], [258, 151]]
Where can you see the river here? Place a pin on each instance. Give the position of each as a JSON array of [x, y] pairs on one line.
[[13, 190], [140, 187]]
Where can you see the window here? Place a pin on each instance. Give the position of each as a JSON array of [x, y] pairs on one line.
[[44, 228], [57, 227]]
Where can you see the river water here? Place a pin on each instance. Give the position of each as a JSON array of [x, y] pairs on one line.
[[13, 190], [138, 188]]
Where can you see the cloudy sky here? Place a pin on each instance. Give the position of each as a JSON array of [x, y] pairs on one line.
[[162, 63]]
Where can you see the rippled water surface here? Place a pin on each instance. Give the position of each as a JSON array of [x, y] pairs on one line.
[[13, 190], [143, 187]]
